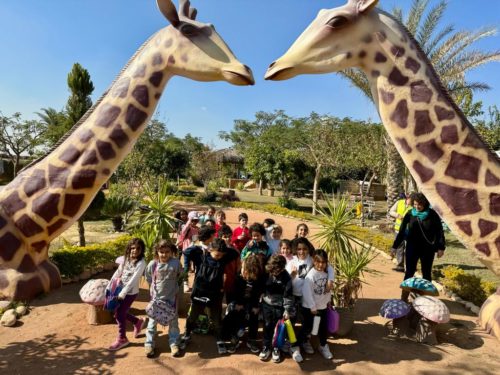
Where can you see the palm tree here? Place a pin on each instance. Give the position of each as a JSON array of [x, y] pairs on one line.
[[452, 57]]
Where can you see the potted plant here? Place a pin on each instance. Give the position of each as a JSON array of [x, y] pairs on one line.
[[349, 257]]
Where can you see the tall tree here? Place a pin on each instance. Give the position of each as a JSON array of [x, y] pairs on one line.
[[79, 102], [56, 123], [19, 138], [449, 52]]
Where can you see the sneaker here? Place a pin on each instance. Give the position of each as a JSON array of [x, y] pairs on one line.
[[252, 345], [297, 357], [138, 327], [308, 347], [221, 347], [118, 344], [187, 289], [325, 351], [149, 351], [265, 353], [184, 341], [174, 348], [276, 357]]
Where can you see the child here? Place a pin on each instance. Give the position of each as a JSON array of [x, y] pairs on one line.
[[193, 254], [268, 222], [298, 268], [301, 232], [181, 218], [241, 234], [277, 303], [162, 274], [231, 269], [220, 220], [243, 309], [210, 223], [257, 245], [286, 250], [130, 272], [187, 238], [209, 215], [273, 237], [314, 303], [208, 292]]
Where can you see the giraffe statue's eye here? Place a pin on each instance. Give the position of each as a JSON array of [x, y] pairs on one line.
[[337, 22], [188, 30]]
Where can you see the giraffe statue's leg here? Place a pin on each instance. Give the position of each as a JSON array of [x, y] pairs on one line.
[[25, 284]]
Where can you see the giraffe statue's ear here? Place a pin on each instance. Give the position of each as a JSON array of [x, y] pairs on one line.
[[168, 10], [364, 6]]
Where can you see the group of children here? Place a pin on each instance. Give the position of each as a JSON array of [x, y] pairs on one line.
[[259, 276]]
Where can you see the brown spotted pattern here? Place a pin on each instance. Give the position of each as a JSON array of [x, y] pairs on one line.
[[423, 123], [420, 92], [400, 114], [449, 134], [430, 150], [107, 115], [462, 201], [135, 117], [46, 206], [463, 167], [465, 226], [423, 172]]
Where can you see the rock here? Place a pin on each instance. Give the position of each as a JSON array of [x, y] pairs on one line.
[[469, 305], [9, 318], [21, 310], [4, 305]]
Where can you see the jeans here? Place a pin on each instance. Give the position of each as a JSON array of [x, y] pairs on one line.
[[235, 320], [173, 332], [122, 315], [400, 255], [271, 316], [426, 257]]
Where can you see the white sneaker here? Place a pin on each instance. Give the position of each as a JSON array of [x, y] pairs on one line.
[[297, 357], [308, 347], [325, 351]]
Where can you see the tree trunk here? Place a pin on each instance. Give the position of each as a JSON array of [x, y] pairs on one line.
[[261, 183], [81, 232], [317, 175], [395, 173]]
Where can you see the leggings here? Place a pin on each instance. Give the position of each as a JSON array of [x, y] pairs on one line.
[[122, 315], [426, 257], [307, 325]]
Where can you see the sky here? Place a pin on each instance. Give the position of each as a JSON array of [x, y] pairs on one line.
[[40, 41]]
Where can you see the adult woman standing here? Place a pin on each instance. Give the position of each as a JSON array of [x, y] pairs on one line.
[[422, 229]]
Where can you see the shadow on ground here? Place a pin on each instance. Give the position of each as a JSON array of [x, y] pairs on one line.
[[53, 355]]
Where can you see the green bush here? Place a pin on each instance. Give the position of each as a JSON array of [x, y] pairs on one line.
[[287, 203], [206, 197], [240, 186], [467, 286], [73, 260], [272, 208]]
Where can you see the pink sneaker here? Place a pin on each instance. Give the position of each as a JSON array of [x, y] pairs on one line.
[[138, 327], [118, 344]]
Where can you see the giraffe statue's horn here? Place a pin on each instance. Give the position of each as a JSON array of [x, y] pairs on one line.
[[167, 8]]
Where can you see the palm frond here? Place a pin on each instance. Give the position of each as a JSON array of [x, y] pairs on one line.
[[415, 15], [358, 79], [432, 45], [429, 26]]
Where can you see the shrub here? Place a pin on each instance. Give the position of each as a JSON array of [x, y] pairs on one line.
[[206, 197], [287, 203], [227, 198], [467, 286], [73, 260], [240, 186]]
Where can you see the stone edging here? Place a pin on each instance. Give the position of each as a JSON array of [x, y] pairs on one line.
[[441, 288]]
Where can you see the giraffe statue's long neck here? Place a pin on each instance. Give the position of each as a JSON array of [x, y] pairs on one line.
[[452, 166], [47, 198]]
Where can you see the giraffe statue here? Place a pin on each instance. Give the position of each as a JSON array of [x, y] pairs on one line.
[[49, 196], [456, 171]]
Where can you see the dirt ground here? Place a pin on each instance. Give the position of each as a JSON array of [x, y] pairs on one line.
[[55, 338]]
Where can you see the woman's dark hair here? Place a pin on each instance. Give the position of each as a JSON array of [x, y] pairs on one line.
[[165, 243], [285, 242], [276, 264], [178, 214], [298, 227], [243, 215], [225, 231], [302, 240], [320, 254], [269, 221], [420, 198], [253, 266], [137, 242], [257, 227], [219, 245], [205, 233]]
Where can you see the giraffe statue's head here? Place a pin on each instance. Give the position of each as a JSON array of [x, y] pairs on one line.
[[337, 39], [200, 53]]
